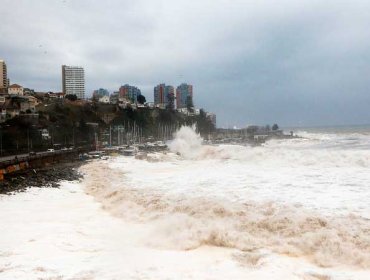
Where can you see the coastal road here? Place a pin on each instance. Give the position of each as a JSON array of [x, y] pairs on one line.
[[13, 157], [22, 156]]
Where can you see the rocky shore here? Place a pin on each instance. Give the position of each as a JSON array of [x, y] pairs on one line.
[[46, 177]]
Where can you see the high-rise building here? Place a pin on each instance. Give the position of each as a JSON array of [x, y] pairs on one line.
[[184, 96], [73, 79], [129, 93], [164, 95], [4, 82], [99, 93]]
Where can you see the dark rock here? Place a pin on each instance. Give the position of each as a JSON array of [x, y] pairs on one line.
[[49, 176]]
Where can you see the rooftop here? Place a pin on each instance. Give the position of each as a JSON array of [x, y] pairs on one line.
[[14, 86]]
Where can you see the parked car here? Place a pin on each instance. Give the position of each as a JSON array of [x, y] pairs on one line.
[[32, 153], [51, 150]]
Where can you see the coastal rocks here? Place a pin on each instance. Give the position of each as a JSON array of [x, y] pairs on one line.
[[47, 177]]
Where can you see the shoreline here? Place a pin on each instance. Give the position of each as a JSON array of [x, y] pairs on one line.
[[45, 177]]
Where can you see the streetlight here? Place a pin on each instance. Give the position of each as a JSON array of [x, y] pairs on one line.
[[1, 140]]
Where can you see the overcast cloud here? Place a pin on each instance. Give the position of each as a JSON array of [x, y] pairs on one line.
[[291, 62]]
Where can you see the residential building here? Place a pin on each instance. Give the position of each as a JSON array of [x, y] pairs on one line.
[[45, 134], [150, 105], [10, 108], [15, 89], [114, 97], [184, 96], [104, 99], [59, 95], [73, 80], [164, 96], [99, 93], [33, 102], [4, 81], [28, 91], [129, 93]]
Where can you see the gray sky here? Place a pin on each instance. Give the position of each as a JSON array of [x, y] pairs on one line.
[[297, 62]]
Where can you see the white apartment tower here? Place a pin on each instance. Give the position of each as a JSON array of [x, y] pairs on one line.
[[73, 79], [4, 82]]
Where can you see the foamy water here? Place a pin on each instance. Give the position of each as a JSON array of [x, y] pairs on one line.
[[292, 209]]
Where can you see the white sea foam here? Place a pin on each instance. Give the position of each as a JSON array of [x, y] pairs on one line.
[[292, 209], [291, 197], [184, 221]]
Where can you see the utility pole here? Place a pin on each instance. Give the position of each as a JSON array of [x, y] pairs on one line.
[[28, 139], [96, 141], [1, 141], [110, 135], [118, 142]]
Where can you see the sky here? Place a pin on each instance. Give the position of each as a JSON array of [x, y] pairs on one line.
[[291, 62]]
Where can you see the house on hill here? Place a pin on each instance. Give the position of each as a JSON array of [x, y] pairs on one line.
[[15, 89], [12, 106]]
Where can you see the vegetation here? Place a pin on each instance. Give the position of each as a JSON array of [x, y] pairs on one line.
[[141, 99], [275, 127], [79, 124], [71, 97]]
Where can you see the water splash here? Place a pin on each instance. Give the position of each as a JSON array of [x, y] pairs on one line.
[[186, 143]]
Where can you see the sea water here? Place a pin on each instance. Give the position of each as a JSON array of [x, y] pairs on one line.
[[289, 209]]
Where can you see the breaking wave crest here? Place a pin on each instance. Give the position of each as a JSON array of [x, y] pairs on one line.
[[185, 223], [324, 152]]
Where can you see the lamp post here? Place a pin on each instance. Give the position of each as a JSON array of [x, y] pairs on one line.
[[28, 139], [1, 140]]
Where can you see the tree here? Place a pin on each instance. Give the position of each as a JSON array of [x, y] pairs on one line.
[[71, 97], [141, 99], [275, 127]]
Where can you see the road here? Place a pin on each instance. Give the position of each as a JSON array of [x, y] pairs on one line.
[[22, 156], [13, 157]]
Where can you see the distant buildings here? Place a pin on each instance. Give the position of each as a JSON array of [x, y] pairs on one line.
[[104, 99], [73, 80], [114, 97], [15, 89], [99, 93], [14, 99], [129, 93], [4, 81], [12, 106], [184, 96], [164, 96]]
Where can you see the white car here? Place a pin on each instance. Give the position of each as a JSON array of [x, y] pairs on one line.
[[51, 150]]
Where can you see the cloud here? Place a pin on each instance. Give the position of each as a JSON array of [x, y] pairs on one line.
[[292, 62]]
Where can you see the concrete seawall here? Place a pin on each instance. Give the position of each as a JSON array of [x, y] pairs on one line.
[[14, 165]]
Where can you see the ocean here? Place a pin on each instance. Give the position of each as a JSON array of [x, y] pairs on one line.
[[289, 209]]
